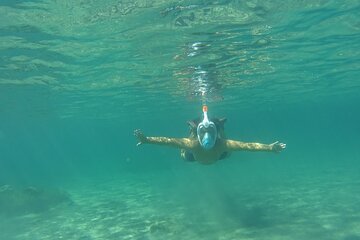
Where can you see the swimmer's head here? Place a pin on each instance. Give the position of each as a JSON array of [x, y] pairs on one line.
[[206, 132]]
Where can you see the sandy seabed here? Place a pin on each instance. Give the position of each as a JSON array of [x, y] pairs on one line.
[[130, 207]]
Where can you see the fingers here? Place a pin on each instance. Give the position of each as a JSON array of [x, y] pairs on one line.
[[140, 136], [137, 132], [278, 147], [281, 145]]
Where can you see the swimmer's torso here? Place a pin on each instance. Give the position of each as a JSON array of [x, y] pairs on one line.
[[209, 156]]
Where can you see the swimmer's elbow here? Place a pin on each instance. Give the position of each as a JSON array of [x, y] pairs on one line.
[[188, 143]]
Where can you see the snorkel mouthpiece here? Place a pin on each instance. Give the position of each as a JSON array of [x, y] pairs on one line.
[[206, 131], [207, 142]]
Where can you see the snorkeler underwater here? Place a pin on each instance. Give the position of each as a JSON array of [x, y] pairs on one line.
[[207, 142], [173, 120]]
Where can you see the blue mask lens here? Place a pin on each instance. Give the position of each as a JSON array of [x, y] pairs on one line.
[[207, 134], [208, 141]]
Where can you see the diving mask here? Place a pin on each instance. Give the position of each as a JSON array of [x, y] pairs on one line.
[[206, 132]]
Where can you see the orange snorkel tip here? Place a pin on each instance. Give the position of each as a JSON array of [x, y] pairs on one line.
[[205, 108]]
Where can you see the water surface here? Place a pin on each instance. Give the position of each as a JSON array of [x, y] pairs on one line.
[[77, 77]]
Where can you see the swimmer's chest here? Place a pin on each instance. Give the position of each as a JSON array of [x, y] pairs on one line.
[[208, 156]]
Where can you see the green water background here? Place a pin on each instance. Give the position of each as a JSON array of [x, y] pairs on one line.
[[78, 77]]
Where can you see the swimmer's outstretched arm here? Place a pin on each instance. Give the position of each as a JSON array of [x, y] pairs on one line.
[[233, 145], [185, 143]]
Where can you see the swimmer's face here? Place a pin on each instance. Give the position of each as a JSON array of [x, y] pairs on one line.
[[207, 134]]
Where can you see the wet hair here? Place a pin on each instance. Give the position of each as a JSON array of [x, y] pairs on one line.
[[219, 123]]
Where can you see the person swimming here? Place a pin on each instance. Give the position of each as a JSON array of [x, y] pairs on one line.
[[207, 142]]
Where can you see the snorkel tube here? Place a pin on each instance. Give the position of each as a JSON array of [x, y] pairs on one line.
[[206, 119], [206, 131]]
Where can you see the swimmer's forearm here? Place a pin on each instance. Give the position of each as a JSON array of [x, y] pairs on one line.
[[244, 146], [172, 142]]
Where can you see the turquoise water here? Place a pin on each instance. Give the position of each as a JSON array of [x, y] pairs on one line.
[[77, 77]]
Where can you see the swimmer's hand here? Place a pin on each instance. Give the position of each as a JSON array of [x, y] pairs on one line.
[[277, 146], [140, 136]]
